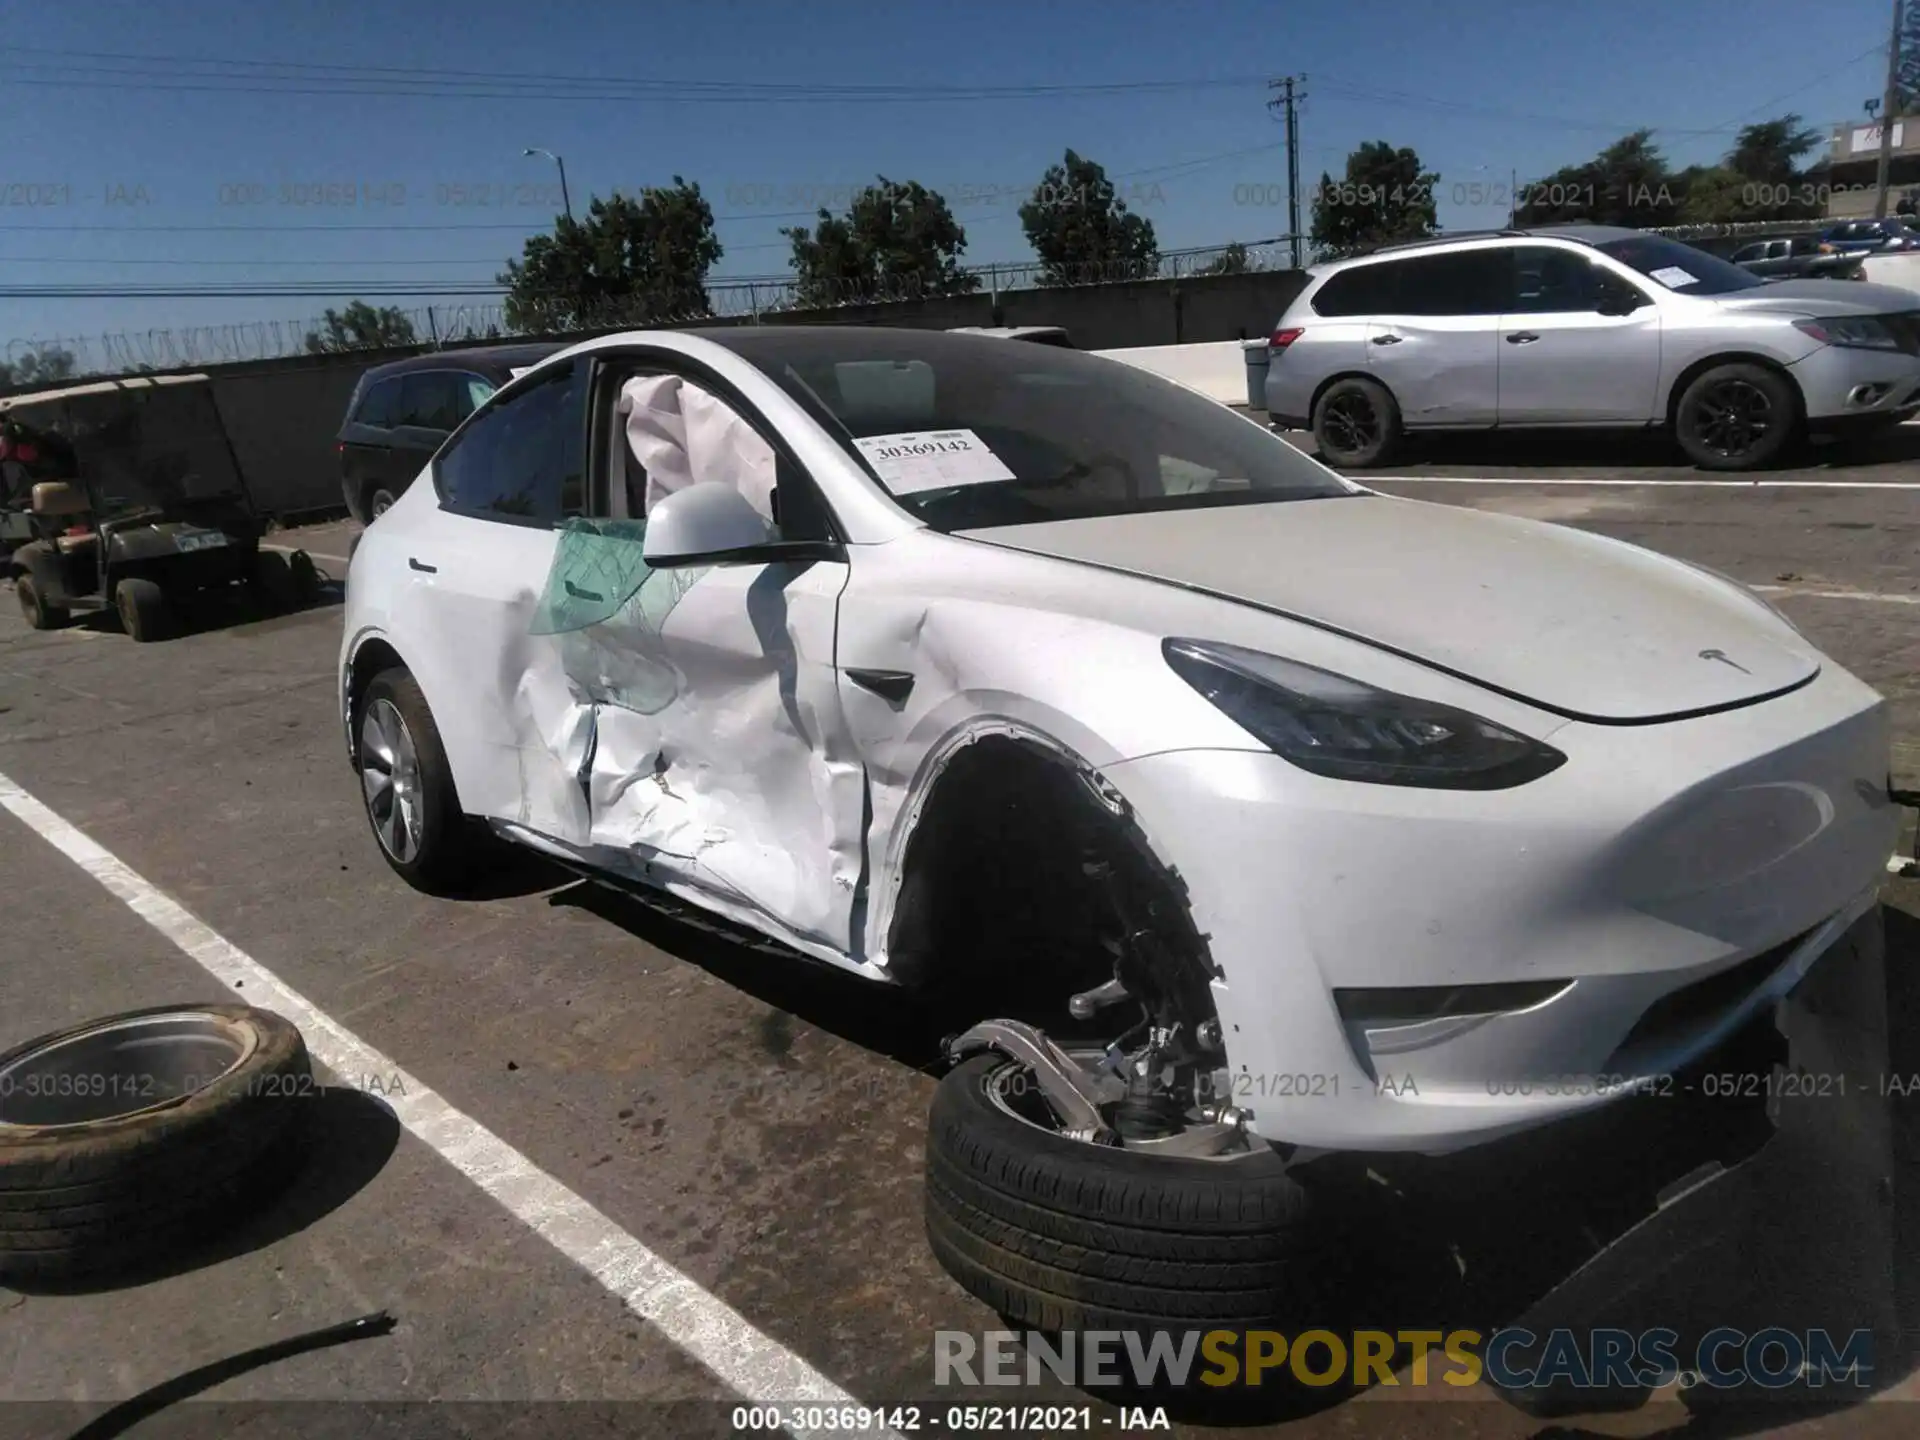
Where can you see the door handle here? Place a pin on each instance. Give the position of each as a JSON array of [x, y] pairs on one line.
[[1386, 339], [1522, 337], [419, 565], [577, 593]]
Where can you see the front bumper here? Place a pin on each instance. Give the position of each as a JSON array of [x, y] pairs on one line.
[[1665, 885], [1842, 383]]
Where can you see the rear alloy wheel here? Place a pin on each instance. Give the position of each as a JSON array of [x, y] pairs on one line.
[[36, 609], [407, 786], [1736, 417], [379, 501], [142, 609], [1356, 424]]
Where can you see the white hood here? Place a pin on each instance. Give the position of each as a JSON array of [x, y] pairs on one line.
[[1575, 623]]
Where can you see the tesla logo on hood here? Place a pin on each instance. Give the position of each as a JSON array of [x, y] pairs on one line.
[[1721, 656]]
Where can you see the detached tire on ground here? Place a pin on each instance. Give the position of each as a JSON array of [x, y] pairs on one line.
[[1736, 416], [128, 1137], [142, 608], [1356, 424], [1063, 1235]]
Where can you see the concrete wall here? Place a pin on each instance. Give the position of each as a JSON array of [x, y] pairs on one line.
[[282, 415], [282, 426]]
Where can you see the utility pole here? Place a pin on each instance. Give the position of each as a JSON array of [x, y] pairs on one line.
[[1888, 112], [1293, 89]]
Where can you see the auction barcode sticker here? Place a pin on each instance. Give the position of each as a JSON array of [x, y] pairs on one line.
[[915, 460]]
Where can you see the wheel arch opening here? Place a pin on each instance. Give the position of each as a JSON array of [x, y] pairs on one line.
[[1739, 357], [1027, 879]]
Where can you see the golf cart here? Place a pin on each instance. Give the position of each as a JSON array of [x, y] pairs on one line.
[[136, 529]]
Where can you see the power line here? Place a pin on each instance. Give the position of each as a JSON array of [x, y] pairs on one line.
[[727, 88]]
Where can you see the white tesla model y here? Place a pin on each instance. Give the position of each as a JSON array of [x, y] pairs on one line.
[[1238, 811]]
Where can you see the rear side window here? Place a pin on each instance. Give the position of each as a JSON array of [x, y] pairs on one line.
[[1363, 290], [434, 400], [1469, 282], [378, 405], [524, 458]]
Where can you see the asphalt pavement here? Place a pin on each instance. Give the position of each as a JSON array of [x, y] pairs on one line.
[[751, 1129]]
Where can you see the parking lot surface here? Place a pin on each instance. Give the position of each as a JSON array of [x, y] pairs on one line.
[[751, 1129]]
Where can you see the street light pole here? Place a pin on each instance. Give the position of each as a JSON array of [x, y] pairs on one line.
[[564, 200], [1889, 106]]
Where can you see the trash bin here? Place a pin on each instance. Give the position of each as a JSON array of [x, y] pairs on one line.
[[1256, 355]]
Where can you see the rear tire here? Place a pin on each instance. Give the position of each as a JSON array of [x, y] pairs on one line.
[[407, 790], [38, 611], [1736, 417], [142, 608], [306, 577], [1064, 1235], [1356, 424], [273, 581]]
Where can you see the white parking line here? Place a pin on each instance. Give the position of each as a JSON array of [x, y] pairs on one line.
[[289, 549], [1800, 594], [753, 1365], [1370, 480]]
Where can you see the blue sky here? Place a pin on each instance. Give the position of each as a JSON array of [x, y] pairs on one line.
[[319, 141]]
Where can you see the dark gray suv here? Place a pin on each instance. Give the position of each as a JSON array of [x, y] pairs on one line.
[[402, 411]]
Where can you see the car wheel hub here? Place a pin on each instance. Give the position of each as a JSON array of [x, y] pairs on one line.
[[390, 777], [1733, 418], [1350, 423]]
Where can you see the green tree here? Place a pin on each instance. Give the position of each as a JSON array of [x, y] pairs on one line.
[[1385, 197], [1082, 231], [361, 327], [38, 367], [1627, 183], [1230, 261], [631, 261], [1771, 152], [894, 241]]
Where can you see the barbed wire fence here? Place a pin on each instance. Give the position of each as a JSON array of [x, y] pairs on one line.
[[464, 321]]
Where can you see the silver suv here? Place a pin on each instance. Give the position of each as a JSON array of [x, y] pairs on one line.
[[1586, 326]]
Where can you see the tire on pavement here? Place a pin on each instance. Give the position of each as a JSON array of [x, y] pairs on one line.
[[1356, 423], [407, 789], [306, 577], [35, 608], [273, 581], [142, 609], [1063, 1235], [128, 1137], [1737, 416]]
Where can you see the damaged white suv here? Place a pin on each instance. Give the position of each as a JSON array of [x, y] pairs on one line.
[[1242, 813]]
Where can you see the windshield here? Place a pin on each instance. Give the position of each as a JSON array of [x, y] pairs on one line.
[[1679, 267], [970, 432]]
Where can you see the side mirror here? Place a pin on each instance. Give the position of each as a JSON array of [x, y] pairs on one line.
[[1618, 302], [706, 524], [57, 497]]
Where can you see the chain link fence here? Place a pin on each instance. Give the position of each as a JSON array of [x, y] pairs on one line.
[[460, 321]]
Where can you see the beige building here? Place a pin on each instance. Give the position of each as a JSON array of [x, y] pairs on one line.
[[1845, 183]]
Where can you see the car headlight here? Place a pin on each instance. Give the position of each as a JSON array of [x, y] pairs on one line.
[[1859, 332], [1347, 730]]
